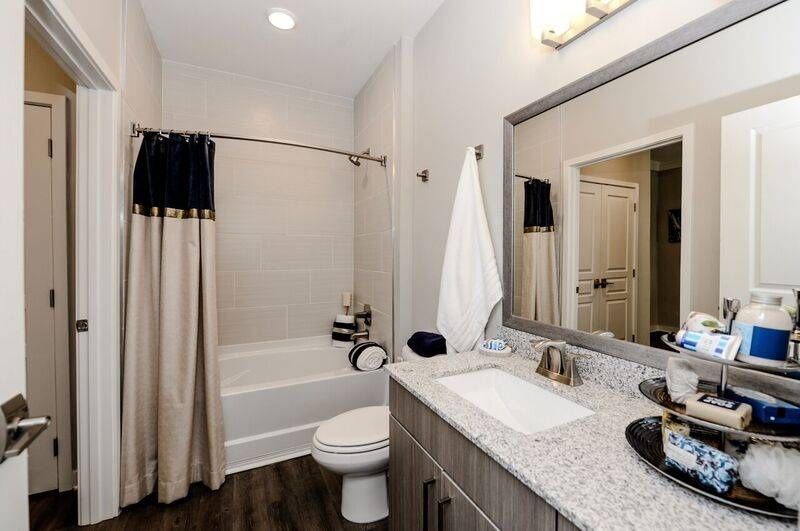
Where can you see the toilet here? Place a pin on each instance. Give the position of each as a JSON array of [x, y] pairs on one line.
[[355, 444]]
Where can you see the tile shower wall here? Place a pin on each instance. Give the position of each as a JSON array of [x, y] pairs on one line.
[[374, 126], [285, 216]]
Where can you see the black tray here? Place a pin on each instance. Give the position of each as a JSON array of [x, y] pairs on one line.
[[644, 436], [655, 389]]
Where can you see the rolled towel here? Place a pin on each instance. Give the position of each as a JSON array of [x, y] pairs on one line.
[[368, 356], [774, 471], [427, 344]]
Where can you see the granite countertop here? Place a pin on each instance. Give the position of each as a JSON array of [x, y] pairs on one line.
[[585, 469]]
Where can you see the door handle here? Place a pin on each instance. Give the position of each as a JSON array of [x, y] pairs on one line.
[[17, 429], [441, 506], [597, 284], [426, 485], [604, 283]]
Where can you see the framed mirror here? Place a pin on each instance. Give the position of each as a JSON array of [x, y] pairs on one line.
[[657, 185]]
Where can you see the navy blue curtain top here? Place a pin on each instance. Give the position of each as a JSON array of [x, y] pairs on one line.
[[538, 209], [174, 172]]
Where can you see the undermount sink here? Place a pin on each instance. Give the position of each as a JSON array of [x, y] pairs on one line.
[[520, 405]]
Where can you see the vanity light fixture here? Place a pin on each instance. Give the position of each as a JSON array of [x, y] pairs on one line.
[[283, 19], [562, 21]]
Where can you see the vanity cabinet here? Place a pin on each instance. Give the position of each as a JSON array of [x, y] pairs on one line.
[[440, 481], [422, 496]]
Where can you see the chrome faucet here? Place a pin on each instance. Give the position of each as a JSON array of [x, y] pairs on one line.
[[363, 334], [556, 363], [365, 314]]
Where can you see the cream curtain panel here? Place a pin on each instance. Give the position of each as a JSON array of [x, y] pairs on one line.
[[172, 432], [539, 272]]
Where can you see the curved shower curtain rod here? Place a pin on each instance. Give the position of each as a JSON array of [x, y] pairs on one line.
[[354, 158]]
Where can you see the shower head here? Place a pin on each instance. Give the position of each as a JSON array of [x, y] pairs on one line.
[[354, 160]]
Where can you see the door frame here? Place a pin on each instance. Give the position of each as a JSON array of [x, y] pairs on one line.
[[98, 252], [634, 285], [571, 192], [58, 108]]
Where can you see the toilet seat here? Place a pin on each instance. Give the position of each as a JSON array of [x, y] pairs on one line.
[[353, 432]]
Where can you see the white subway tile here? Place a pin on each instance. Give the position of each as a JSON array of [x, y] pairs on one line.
[[251, 325], [238, 252], [271, 288], [297, 252], [312, 319], [225, 289], [328, 285], [320, 218]]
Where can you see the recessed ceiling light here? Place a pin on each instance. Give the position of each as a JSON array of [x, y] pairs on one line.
[[281, 18]]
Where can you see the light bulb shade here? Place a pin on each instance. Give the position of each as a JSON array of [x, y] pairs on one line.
[[282, 19], [554, 17]]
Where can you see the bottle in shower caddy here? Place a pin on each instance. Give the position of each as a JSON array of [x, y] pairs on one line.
[[765, 327]]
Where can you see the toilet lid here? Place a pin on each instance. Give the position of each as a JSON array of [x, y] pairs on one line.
[[359, 427]]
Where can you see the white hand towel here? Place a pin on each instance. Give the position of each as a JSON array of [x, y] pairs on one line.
[[371, 359], [470, 285]]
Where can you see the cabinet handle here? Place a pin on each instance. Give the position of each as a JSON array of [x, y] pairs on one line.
[[442, 505], [426, 485]]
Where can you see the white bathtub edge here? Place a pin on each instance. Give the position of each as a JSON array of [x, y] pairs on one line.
[[268, 448]]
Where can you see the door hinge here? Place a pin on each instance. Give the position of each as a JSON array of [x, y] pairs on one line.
[[82, 325], [55, 447], [634, 272], [634, 207], [50, 147], [578, 290], [52, 298], [633, 338]]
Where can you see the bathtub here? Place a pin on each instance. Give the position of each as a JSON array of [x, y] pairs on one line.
[[275, 394]]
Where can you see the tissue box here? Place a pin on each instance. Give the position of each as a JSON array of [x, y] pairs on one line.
[[711, 467]]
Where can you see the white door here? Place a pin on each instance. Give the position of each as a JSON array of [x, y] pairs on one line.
[[14, 472], [40, 331], [760, 168], [588, 260], [607, 258]]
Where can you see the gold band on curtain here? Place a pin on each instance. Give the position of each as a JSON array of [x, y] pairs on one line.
[[189, 213], [540, 229]]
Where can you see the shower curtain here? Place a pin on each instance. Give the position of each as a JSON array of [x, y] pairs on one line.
[[539, 274], [172, 433]]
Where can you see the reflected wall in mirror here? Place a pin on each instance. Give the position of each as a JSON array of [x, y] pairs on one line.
[[663, 190]]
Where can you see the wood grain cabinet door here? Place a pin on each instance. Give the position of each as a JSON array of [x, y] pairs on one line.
[[456, 512], [413, 478]]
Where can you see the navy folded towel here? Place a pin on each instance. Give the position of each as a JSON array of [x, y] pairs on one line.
[[427, 344]]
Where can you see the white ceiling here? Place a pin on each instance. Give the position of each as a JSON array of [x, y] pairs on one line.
[[334, 48]]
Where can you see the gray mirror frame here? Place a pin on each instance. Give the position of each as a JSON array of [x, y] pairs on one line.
[[695, 31]]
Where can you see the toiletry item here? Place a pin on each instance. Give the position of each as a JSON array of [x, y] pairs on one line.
[[766, 409], [347, 302], [711, 467], [765, 328], [722, 411], [343, 329], [703, 322], [721, 346], [496, 348], [774, 471], [675, 424], [681, 380], [730, 308]]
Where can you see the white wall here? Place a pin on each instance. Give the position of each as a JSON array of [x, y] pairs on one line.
[[374, 126], [285, 216], [471, 68], [103, 22]]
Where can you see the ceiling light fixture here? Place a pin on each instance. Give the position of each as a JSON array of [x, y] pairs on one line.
[[283, 19], [556, 23]]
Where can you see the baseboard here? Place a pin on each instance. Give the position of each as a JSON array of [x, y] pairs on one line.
[[264, 460]]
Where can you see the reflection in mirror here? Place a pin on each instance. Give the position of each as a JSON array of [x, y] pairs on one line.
[[628, 245], [660, 192]]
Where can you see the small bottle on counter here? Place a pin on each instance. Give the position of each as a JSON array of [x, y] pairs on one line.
[[765, 327]]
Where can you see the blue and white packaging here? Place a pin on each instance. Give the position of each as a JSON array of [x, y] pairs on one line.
[[762, 345], [720, 346]]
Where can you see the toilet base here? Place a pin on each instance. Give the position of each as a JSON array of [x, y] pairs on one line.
[[364, 498]]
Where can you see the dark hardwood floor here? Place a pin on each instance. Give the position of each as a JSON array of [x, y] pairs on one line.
[[296, 494]]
